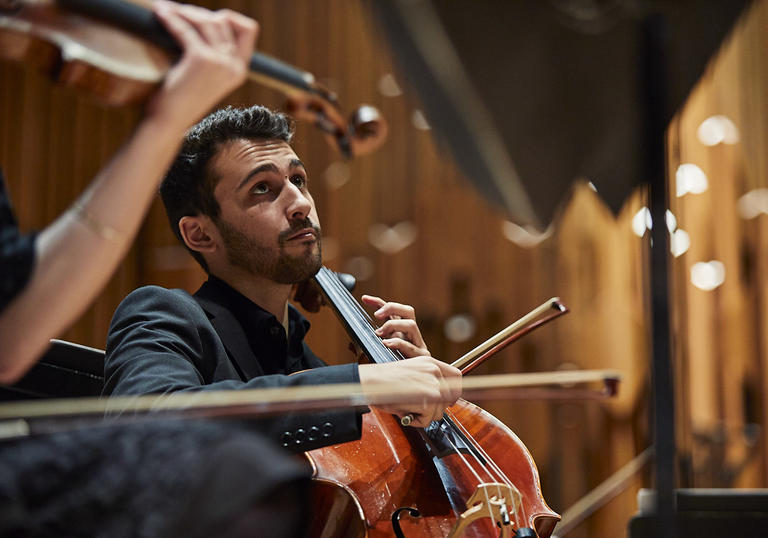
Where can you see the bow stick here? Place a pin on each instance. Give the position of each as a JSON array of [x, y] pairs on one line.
[[46, 416], [537, 317]]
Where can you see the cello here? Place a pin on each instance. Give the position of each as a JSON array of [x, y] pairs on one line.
[[466, 474]]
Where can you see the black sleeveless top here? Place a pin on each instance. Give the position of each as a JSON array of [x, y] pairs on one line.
[[17, 251]]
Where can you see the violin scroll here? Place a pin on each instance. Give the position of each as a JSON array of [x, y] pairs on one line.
[[364, 132], [119, 51], [368, 129]]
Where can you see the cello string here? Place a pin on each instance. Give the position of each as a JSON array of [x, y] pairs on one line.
[[364, 323], [502, 477], [344, 298], [494, 468], [346, 305], [480, 481], [343, 295], [333, 289], [463, 458], [359, 319], [489, 474], [496, 474]]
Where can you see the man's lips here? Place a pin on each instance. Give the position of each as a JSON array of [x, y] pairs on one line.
[[306, 233]]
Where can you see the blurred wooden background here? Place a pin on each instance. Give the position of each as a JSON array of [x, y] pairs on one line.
[[411, 228]]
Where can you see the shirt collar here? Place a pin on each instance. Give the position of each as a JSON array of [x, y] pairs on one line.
[[250, 314]]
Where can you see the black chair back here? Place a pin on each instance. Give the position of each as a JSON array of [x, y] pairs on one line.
[[67, 370]]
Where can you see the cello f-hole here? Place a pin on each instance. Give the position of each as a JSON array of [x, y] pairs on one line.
[[396, 519]]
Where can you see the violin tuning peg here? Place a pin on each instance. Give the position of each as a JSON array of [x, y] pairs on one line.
[[366, 118], [348, 280], [368, 130]]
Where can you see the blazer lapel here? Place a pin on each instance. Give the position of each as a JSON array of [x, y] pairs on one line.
[[230, 331]]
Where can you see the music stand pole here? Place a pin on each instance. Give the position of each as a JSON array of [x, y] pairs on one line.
[[654, 78]]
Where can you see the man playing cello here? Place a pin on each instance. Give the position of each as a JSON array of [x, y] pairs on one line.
[[238, 198]]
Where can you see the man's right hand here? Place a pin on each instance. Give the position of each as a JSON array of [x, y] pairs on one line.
[[425, 375]]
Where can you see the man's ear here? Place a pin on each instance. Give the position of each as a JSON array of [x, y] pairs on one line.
[[196, 233]]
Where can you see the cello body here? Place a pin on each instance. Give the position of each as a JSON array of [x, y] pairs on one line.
[[390, 471]]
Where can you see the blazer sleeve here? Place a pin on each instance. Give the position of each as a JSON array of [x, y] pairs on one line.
[[161, 341]]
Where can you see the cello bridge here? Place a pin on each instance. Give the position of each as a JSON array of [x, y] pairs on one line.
[[492, 500]]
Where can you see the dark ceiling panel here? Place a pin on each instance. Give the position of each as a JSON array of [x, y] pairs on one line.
[[530, 95]]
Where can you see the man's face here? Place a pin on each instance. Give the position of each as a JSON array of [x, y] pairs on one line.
[[268, 222]]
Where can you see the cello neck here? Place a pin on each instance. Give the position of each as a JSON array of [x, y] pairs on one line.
[[357, 322]]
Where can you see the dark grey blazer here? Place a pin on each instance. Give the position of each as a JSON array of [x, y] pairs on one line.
[[163, 341]]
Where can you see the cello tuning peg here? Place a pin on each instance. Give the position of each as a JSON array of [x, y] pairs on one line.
[[308, 295]]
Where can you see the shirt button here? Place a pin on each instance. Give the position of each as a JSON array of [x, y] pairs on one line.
[[286, 438], [327, 429]]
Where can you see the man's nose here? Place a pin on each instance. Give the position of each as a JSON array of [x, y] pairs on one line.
[[298, 205]]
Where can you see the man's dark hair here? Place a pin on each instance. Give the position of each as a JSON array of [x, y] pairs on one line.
[[187, 189]]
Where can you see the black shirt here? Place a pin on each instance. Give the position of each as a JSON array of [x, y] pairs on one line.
[[17, 252], [266, 335]]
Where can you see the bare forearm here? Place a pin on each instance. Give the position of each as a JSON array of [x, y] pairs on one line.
[[77, 254]]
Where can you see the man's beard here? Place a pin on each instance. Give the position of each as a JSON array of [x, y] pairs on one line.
[[273, 263]]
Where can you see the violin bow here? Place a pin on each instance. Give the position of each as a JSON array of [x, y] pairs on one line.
[[604, 492], [19, 419]]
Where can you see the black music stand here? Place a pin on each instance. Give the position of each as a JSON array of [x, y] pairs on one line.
[[530, 94]]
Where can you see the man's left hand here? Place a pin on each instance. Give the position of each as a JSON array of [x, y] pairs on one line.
[[400, 331]]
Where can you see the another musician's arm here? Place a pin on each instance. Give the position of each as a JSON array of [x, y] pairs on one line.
[[77, 253]]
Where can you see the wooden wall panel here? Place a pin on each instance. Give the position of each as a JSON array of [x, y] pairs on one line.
[[54, 142]]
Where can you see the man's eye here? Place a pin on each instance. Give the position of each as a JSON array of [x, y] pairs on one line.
[[260, 188], [299, 181]]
